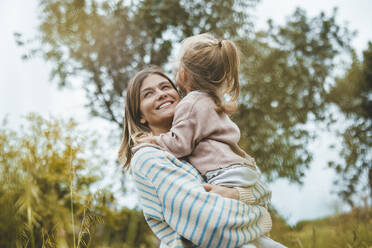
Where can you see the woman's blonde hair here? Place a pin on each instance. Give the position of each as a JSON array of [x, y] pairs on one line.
[[132, 127], [212, 66]]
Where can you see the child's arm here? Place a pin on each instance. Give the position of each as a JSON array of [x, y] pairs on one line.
[[147, 139], [192, 121]]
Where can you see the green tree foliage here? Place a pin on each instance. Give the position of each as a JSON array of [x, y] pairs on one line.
[[284, 69], [352, 94], [107, 42], [47, 169], [36, 168]]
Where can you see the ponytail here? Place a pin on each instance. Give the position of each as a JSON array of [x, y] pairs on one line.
[[213, 67]]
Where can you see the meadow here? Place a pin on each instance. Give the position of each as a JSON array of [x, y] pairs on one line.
[[352, 229]]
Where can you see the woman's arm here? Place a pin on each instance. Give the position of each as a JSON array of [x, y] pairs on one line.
[[258, 194], [207, 220]]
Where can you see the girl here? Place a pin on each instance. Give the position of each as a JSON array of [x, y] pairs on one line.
[[202, 131]]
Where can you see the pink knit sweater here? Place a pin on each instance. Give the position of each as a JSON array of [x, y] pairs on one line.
[[208, 140]]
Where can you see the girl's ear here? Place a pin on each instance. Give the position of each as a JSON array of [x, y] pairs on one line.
[[143, 121], [184, 74], [182, 80]]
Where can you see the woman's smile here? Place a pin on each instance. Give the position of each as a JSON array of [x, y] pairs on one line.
[[165, 104]]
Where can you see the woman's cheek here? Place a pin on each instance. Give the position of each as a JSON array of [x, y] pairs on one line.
[[145, 106]]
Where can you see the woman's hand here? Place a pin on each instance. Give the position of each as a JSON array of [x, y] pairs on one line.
[[222, 191]]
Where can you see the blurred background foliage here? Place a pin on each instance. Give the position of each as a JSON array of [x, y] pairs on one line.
[[47, 170], [351, 229], [296, 74]]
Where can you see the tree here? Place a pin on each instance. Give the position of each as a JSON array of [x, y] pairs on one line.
[[107, 42], [284, 69], [352, 95], [47, 169]]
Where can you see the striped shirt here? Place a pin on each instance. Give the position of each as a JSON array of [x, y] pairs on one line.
[[182, 214]]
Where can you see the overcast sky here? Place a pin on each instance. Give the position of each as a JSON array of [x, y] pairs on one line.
[[25, 88]]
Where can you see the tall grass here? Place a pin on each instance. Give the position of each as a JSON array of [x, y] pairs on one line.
[[47, 168], [72, 176], [349, 230]]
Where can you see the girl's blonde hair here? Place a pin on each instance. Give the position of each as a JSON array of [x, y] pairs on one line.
[[132, 127], [212, 66]]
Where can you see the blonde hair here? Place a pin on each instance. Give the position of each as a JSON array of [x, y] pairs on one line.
[[212, 66], [132, 127]]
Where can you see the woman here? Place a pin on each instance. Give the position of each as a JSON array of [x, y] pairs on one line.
[[176, 206]]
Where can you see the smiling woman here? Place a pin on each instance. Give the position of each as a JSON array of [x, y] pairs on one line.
[[159, 99], [137, 93]]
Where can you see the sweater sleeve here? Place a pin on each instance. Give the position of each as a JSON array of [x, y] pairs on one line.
[[205, 219], [153, 212], [192, 122], [258, 194]]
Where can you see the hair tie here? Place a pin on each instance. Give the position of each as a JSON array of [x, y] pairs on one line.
[[220, 43]]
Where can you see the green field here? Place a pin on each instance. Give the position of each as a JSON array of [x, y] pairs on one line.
[[353, 229]]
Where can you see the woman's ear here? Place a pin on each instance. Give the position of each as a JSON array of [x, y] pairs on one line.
[[142, 121]]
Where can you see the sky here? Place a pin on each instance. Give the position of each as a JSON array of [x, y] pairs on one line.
[[25, 87]]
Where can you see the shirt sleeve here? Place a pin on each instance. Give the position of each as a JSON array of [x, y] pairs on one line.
[[192, 121], [258, 194], [205, 219]]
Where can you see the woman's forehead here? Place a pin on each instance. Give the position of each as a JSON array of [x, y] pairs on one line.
[[153, 81]]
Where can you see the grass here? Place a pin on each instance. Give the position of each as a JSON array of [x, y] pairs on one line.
[[349, 230]]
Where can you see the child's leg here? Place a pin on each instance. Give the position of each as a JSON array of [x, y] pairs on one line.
[[250, 245], [252, 189], [233, 176]]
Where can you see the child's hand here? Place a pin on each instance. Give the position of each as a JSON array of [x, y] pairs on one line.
[[147, 139]]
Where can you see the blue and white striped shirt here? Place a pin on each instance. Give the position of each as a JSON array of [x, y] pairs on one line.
[[178, 209]]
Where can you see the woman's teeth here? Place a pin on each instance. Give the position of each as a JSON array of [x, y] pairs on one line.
[[164, 105]]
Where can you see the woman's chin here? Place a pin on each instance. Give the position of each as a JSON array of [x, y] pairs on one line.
[[168, 116]]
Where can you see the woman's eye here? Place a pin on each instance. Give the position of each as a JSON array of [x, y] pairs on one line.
[[165, 87], [148, 93]]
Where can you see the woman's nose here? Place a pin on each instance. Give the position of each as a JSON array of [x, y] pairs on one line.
[[161, 94]]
